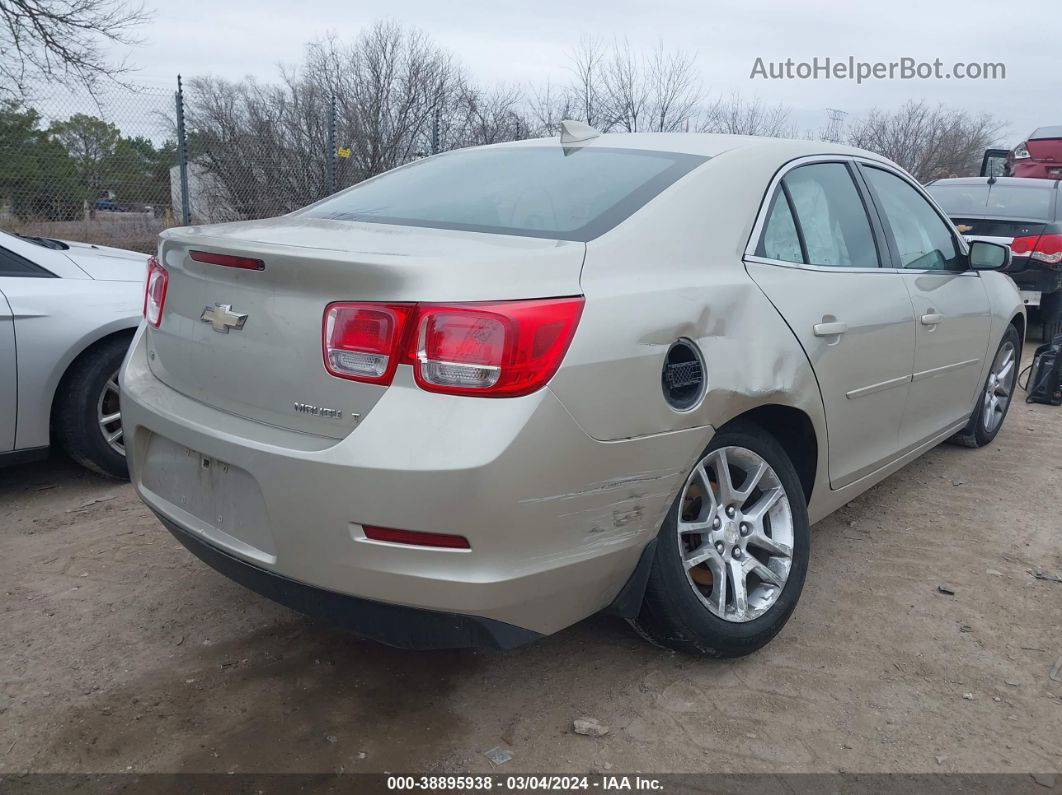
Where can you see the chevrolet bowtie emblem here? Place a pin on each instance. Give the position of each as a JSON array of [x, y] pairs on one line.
[[222, 318]]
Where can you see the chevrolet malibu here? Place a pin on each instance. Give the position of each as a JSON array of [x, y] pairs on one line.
[[487, 394]]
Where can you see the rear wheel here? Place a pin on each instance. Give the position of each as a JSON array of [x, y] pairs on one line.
[[88, 415], [994, 401], [733, 551]]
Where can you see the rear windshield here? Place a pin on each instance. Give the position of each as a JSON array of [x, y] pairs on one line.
[[994, 201], [1047, 132], [548, 191]]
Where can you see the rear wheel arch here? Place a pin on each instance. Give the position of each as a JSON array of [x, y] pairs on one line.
[[73, 364], [1018, 321], [794, 431]]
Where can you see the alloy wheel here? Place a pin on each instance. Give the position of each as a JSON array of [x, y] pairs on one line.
[[109, 415], [736, 533], [1000, 386]]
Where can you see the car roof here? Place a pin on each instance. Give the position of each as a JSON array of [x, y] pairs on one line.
[[710, 145]]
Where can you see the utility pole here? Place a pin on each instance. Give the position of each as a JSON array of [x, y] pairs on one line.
[[834, 124], [330, 176], [182, 156]]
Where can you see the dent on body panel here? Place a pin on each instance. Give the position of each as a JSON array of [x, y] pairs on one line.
[[614, 512], [747, 351]]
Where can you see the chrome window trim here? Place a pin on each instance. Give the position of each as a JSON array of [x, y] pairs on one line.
[[765, 204]]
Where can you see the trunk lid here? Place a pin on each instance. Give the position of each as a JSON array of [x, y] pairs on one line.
[[996, 230], [1047, 150], [274, 361]]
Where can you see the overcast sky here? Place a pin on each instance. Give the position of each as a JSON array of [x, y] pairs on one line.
[[530, 42]]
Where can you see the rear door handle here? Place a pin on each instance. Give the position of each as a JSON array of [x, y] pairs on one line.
[[830, 329], [932, 318]]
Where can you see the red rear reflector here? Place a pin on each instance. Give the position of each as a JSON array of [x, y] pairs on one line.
[[416, 538], [227, 260], [155, 291], [363, 341]]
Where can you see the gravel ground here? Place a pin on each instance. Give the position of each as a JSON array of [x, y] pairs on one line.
[[120, 651]]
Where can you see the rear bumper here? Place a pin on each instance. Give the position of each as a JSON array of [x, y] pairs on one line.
[[1038, 278], [1036, 169], [556, 520], [403, 627]]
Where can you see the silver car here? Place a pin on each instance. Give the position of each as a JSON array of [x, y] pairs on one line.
[[485, 395], [67, 313]]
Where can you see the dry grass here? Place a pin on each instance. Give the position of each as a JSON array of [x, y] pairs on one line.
[[134, 231]]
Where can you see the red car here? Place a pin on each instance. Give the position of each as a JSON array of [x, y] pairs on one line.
[[1040, 156]]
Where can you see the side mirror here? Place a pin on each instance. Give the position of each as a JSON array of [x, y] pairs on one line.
[[985, 256]]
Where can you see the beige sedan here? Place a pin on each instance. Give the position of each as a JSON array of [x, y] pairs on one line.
[[485, 395]]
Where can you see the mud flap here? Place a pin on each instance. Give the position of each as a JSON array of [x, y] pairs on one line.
[[628, 601]]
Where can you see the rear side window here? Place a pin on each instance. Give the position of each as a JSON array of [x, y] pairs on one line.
[[780, 239], [831, 216], [923, 240], [12, 264], [542, 191], [995, 201]]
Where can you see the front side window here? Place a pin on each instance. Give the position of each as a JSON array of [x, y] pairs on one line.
[[923, 240], [532, 191], [831, 216]]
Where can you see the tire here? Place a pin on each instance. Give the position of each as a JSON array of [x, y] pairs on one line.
[[1051, 315], [677, 611], [979, 431], [76, 418]]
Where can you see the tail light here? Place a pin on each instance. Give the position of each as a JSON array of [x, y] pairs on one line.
[[155, 292], [495, 350], [1021, 151], [1042, 248], [362, 342], [491, 350]]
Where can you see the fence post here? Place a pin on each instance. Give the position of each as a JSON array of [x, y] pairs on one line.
[[330, 172], [182, 156]]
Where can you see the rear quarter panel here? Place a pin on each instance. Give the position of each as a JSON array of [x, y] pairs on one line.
[[675, 270]]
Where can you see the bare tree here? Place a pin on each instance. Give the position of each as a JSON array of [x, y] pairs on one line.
[[617, 88], [485, 116], [736, 115], [674, 90], [586, 90], [547, 108], [61, 41], [927, 140], [392, 85], [623, 80]]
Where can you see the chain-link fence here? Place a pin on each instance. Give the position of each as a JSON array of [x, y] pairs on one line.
[[118, 168], [95, 169]]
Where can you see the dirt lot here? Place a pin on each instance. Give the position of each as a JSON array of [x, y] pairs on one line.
[[120, 651]]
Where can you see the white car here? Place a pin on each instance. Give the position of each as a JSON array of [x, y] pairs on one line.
[[67, 314]]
